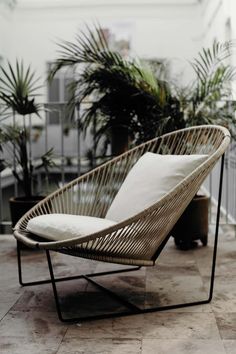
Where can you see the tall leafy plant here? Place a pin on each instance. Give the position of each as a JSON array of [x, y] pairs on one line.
[[18, 87], [129, 96], [126, 96], [206, 99]]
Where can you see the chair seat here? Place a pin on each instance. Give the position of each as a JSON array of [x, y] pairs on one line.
[[56, 227]]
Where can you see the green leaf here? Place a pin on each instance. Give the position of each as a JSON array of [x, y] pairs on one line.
[[18, 87]]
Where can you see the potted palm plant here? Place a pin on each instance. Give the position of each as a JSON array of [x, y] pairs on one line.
[[205, 101], [18, 88], [127, 102]]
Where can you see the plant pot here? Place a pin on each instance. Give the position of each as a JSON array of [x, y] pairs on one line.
[[119, 140], [193, 224], [20, 205]]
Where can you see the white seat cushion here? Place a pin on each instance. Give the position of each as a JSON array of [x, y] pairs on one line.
[[64, 226], [149, 180]]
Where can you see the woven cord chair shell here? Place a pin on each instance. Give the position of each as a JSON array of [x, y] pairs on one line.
[[138, 240]]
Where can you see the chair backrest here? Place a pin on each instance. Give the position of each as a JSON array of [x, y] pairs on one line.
[[137, 239]]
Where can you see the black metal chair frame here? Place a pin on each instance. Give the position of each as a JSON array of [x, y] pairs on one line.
[[133, 309]]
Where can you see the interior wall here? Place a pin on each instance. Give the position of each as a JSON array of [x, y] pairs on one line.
[[214, 18], [157, 31], [4, 28], [219, 22]]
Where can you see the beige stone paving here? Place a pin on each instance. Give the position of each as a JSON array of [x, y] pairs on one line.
[[29, 323]]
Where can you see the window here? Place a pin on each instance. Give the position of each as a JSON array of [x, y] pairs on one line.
[[58, 94]]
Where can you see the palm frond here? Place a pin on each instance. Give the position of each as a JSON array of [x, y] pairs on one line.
[[18, 87], [213, 73]]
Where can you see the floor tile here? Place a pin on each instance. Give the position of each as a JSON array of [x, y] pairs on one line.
[[224, 295], [19, 345], [230, 346], [226, 323], [180, 326], [155, 346], [130, 327], [33, 327], [100, 346]]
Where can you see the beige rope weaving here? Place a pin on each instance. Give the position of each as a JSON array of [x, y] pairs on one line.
[[139, 239]]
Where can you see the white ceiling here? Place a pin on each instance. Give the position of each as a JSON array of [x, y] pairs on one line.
[[65, 3]]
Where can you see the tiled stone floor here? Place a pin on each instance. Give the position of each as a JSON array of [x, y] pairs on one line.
[[29, 324]]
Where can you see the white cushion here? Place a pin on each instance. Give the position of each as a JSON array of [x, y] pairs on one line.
[[64, 226], [149, 180]]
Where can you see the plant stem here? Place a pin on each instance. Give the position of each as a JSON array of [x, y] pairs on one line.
[[27, 186]]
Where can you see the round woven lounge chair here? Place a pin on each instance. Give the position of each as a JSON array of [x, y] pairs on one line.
[[138, 239]]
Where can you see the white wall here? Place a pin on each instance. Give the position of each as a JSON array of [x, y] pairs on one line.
[[214, 17], [216, 14], [4, 28], [219, 22], [160, 30]]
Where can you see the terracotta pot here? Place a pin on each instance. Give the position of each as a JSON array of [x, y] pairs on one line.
[[20, 205], [193, 224]]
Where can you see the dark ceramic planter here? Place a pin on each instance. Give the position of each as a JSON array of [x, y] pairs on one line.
[[193, 224], [20, 205], [119, 140]]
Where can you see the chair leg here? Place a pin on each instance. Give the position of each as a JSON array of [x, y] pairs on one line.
[[134, 309], [54, 286], [37, 282], [47, 281], [216, 230], [20, 276]]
